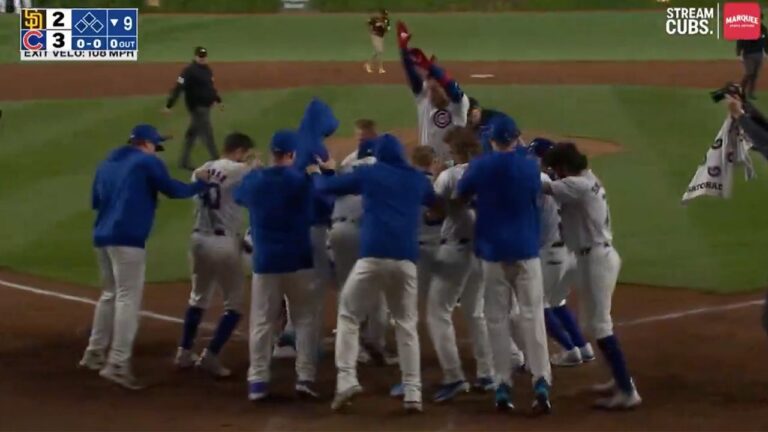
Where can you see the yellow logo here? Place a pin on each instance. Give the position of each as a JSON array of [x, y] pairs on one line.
[[33, 19]]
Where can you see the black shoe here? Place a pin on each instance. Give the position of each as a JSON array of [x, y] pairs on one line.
[[186, 167]]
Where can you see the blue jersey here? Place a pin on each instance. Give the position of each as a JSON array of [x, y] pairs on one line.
[[124, 195], [393, 195], [279, 203], [506, 186]]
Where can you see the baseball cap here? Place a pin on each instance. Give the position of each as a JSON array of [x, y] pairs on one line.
[[503, 129], [473, 103], [284, 141], [201, 52], [540, 146], [146, 132]]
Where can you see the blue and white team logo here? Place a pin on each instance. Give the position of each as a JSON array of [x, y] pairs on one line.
[[442, 118]]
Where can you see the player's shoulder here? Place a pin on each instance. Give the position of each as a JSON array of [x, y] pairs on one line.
[[545, 178]]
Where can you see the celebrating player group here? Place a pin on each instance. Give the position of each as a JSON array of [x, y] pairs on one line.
[[475, 218]]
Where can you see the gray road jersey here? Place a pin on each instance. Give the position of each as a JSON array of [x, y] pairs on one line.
[[350, 206], [215, 209], [584, 210]]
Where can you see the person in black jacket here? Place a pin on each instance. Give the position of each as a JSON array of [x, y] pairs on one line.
[[752, 53], [196, 81]]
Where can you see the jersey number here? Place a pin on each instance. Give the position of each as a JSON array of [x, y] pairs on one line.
[[211, 197]]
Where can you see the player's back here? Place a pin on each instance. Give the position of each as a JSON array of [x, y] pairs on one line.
[[585, 214], [215, 208]]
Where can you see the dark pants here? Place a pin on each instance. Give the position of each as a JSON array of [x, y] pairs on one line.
[[752, 63], [199, 127]]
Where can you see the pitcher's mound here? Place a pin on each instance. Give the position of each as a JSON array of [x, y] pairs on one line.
[[340, 147]]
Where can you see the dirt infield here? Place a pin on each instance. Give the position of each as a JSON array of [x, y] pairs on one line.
[[699, 360]]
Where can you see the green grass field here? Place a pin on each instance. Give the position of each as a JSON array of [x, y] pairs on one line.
[[471, 36]]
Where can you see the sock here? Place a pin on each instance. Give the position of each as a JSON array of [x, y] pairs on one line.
[[568, 321], [191, 322], [611, 349], [224, 330], [556, 331]]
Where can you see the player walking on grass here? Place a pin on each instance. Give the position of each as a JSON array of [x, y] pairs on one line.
[[587, 231], [393, 194], [378, 25], [124, 196], [279, 203], [216, 256], [505, 185], [440, 102]]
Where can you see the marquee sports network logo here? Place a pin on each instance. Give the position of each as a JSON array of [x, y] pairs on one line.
[[740, 21]]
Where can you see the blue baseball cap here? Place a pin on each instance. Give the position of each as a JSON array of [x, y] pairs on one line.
[[540, 146], [503, 129], [284, 141], [146, 132]]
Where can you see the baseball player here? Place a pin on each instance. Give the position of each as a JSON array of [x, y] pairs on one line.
[[752, 53], [558, 268], [457, 275], [393, 194], [124, 195], [587, 231], [440, 102], [479, 120], [344, 240], [196, 81], [378, 25], [279, 203], [505, 185], [215, 255]]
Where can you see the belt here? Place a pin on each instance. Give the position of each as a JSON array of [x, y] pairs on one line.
[[459, 242], [557, 244], [344, 219], [587, 250], [216, 232]]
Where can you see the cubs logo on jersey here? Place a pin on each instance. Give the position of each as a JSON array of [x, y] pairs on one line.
[[442, 118]]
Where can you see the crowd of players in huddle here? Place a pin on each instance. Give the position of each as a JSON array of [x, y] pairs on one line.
[[476, 218]]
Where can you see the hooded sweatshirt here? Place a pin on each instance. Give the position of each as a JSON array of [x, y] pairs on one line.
[[124, 195], [317, 124], [393, 194]]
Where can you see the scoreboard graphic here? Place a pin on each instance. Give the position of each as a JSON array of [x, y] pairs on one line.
[[79, 34]]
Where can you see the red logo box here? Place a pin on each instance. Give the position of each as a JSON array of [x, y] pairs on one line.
[[741, 21]]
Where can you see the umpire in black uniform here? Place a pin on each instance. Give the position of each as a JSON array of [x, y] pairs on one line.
[[196, 81], [752, 52]]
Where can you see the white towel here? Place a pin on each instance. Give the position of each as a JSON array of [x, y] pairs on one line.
[[714, 177]]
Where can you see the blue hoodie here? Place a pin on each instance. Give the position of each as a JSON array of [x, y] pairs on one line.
[[317, 124], [393, 194], [124, 195]]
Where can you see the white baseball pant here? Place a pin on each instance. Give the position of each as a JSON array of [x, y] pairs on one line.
[[322, 273], [556, 263], [216, 261], [116, 317], [426, 265], [267, 291], [397, 279], [344, 239], [457, 274], [17, 5], [505, 281], [598, 272]]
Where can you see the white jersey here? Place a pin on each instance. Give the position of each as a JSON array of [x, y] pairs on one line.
[[350, 207], [215, 208], [584, 210], [434, 123], [460, 219], [549, 217], [429, 233]]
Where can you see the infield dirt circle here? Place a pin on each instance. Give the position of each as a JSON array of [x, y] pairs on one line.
[[699, 360]]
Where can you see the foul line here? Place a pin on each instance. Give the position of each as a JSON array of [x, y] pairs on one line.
[[168, 318]]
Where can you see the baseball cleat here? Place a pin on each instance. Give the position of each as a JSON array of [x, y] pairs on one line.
[[304, 390], [449, 391], [257, 390], [345, 397], [541, 404], [568, 358], [484, 384], [605, 388], [120, 375], [363, 356], [93, 360], [368, 68], [185, 358], [397, 391], [503, 397], [413, 406], [620, 401], [382, 71], [210, 363], [587, 353]]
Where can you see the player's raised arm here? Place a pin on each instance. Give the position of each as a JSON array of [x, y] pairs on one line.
[[414, 79], [439, 74]]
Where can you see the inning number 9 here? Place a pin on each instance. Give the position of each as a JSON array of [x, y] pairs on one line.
[[128, 23]]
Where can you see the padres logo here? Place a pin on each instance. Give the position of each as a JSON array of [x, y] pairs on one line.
[[714, 171], [33, 19], [442, 118]]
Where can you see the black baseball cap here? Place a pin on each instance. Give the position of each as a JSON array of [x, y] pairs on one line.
[[201, 52]]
